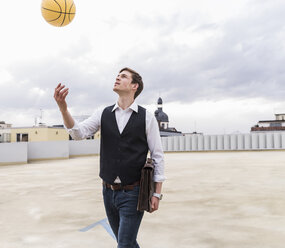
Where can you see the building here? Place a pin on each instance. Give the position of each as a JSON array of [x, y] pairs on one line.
[[270, 125], [5, 132], [5, 135], [38, 133], [4, 125], [163, 122]]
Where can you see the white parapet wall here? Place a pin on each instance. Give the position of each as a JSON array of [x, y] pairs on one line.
[[213, 143], [247, 141], [13, 153], [234, 141], [226, 142], [269, 140], [283, 141], [262, 141], [84, 147], [206, 141], [255, 141], [22, 152], [187, 143], [181, 143], [164, 141], [48, 150], [220, 142], [194, 143], [276, 141], [240, 142]]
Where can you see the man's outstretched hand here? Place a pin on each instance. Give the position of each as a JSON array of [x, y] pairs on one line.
[[60, 94]]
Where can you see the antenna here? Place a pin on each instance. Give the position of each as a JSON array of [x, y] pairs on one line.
[[39, 119], [41, 116]]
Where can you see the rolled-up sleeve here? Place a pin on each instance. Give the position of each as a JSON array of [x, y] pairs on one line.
[[86, 128], [155, 146]]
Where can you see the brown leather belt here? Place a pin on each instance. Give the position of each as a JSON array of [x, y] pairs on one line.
[[118, 186]]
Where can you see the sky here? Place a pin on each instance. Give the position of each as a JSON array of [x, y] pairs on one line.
[[217, 64]]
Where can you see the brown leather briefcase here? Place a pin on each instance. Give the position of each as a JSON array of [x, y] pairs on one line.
[[146, 186]]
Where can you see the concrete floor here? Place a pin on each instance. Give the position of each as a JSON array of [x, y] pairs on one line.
[[211, 200]]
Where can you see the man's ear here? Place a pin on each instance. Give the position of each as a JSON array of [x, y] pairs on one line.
[[135, 86]]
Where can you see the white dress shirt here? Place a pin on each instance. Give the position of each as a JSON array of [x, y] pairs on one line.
[[91, 125]]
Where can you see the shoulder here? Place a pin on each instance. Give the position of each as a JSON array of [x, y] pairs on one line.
[[141, 109], [148, 115]]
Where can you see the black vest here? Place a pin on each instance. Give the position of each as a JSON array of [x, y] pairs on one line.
[[123, 154]]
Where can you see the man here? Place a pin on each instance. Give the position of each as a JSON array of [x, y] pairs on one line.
[[128, 132]]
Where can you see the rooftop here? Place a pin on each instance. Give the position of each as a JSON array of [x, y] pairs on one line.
[[271, 121], [211, 199], [37, 127]]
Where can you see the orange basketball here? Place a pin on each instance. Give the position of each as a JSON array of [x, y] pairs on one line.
[[58, 13]]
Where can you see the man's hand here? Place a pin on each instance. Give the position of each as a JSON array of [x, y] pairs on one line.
[[59, 95], [154, 204]]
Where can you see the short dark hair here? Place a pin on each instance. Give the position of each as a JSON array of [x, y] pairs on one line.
[[136, 79]]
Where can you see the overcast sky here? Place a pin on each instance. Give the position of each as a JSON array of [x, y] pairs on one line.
[[217, 64]]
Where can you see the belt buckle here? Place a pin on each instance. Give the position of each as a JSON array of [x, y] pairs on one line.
[[116, 187]]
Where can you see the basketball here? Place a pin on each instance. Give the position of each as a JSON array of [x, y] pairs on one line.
[[58, 13]]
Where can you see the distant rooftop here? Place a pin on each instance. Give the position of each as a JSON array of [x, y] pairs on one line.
[[41, 126], [271, 121]]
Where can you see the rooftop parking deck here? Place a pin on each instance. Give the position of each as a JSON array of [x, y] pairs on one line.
[[211, 200]]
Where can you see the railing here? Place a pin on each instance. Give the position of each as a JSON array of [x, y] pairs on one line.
[[227, 142]]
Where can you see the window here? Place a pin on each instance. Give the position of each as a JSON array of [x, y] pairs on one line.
[[25, 137], [277, 124], [22, 137]]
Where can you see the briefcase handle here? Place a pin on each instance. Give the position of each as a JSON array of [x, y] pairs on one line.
[[149, 163]]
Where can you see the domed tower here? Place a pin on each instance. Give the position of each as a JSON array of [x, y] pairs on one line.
[[160, 116]]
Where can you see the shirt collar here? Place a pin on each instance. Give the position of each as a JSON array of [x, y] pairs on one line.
[[133, 107]]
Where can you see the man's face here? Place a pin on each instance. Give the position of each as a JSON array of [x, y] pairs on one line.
[[124, 84]]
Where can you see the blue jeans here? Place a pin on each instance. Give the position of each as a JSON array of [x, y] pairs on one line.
[[123, 217]]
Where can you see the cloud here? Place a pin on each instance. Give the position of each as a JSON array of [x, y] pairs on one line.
[[186, 53], [187, 58], [241, 58], [31, 84]]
